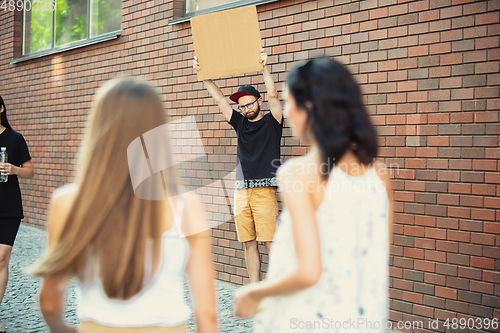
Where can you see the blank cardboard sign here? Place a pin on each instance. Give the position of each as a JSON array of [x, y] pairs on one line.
[[227, 43]]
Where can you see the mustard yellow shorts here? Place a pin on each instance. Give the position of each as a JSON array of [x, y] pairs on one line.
[[255, 213]]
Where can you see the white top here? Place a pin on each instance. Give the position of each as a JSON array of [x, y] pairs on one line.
[[353, 228], [160, 303]]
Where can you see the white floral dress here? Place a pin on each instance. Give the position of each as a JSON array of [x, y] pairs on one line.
[[352, 294]]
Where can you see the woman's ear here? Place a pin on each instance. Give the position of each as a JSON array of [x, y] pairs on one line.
[[1, 108], [308, 105]]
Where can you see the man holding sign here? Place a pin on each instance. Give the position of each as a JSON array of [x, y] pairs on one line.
[[258, 156]]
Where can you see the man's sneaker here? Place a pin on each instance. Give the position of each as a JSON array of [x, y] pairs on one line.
[[2, 327]]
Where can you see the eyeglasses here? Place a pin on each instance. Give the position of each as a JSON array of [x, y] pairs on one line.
[[247, 106]]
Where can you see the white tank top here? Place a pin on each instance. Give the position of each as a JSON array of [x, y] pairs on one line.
[[160, 303], [353, 226]]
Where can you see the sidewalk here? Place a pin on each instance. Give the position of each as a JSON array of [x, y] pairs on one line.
[[20, 312]]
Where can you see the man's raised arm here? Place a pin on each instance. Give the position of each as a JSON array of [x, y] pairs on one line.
[[216, 93], [272, 93]]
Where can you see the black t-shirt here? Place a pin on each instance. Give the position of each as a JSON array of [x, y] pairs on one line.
[[11, 204], [258, 151]]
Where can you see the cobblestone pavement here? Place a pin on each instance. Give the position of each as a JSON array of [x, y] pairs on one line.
[[19, 310]]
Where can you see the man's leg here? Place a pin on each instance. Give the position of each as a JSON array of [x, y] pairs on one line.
[[5, 251], [245, 228], [252, 257], [265, 211]]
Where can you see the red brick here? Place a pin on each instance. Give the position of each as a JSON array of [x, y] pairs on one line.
[[325, 42], [446, 292], [414, 186], [417, 6], [342, 19], [412, 297], [462, 117], [414, 231], [483, 117], [428, 15], [442, 71], [448, 199], [435, 256], [420, 96], [488, 18], [425, 266], [458, 236], [492, 203], [438, 141], [378, 34], [483, 214], [426, 152], [435, 279], [459, 212], [378, 13], [398, 9], [439, 118], [446, 246], [407, 86], [460, 188], [480, 238], [483, 189], [450, 59], [470, 273], [481, 287], [402, 284], [424, 311], [492, 227], [413, 253], [435, 233], [486, 43], [489, 67], [428, 221]]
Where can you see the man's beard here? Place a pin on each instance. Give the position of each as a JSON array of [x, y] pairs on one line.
[[253, 115]]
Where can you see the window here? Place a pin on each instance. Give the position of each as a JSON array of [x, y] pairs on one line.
[[49, 24], [190, 8], [196, 5]]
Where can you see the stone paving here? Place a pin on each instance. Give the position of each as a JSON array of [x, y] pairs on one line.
[[19, 310]]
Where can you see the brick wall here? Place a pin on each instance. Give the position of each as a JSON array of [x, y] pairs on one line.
[[430, 73]]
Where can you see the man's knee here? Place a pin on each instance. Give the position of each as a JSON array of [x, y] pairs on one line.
[[251, 244]]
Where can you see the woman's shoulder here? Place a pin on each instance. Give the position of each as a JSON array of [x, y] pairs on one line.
[[60, 205], [65, 192], [299, 168], [193, 219], [14, 133]]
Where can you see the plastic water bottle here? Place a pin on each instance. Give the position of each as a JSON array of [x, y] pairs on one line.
[[3, 159]]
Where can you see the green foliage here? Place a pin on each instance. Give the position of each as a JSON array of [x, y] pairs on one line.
[[70, 17], [105, 16], [41, 30], [70, 21]]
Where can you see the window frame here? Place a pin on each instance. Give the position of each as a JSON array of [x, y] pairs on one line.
[[64, 47], [218, 8]]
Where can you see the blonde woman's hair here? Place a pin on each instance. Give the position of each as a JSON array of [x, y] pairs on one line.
[[107, 222]]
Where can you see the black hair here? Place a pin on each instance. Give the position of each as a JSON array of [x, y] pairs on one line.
[[336, 115], [3, 115]]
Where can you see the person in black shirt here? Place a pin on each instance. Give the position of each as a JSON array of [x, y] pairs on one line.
[[11, 209], [257, 159]]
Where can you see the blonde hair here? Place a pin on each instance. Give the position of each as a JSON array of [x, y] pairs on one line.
[[107, 222]]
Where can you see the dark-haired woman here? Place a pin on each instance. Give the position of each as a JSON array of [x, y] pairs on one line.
[[11, 209], [328, 269]]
